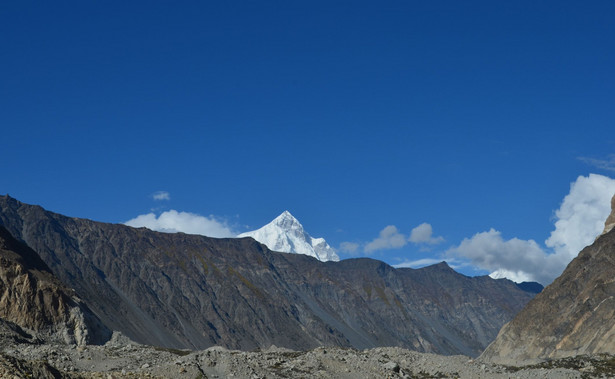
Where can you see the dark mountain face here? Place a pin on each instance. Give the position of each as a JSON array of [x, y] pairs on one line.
[[532, 287], [188, 291], [32, 298], [574, 315]]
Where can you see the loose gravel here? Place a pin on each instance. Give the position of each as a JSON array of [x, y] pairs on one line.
[[122, 358]]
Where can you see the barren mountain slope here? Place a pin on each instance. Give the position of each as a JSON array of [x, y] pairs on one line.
[[189, 291], [574, 315]]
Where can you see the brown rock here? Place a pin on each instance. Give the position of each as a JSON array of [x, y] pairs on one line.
[[574, 315], [33, 298]]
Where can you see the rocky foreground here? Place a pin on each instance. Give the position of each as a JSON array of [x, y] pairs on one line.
[[122, 358]]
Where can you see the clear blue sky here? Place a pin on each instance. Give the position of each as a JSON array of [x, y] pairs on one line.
[[352, 115]]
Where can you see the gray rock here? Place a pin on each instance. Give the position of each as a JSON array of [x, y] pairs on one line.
[[391, 366]]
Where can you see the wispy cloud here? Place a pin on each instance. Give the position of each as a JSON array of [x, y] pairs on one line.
[[604, 164], [173, 221], [419, 263], [578, 221], [161, 195]]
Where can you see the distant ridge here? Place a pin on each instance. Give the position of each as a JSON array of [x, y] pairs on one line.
[[286, 234]]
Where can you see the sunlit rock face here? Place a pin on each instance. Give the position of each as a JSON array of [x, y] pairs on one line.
[[32, 298], [574, 315]]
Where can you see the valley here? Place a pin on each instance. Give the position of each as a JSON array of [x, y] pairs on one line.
[[191, 306]]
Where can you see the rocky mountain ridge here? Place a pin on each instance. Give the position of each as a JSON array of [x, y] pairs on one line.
[[189, 291], [286, 234], [574, 315]]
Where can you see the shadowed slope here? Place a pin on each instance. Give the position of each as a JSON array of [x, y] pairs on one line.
[[190, 291]]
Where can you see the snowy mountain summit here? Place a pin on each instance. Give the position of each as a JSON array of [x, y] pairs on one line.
[[286, 234]]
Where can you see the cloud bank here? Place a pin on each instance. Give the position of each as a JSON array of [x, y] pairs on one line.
[[173, 221], [578, 221]]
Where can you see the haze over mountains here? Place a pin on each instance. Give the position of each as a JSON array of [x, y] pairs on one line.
[[190, 291]]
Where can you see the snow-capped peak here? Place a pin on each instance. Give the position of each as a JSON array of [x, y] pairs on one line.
[[286, 221], [285, 233]]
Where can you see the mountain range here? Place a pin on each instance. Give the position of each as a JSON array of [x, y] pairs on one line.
[[190, 291], [70, 282]]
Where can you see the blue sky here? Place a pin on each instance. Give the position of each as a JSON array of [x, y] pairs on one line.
[[355, 116]]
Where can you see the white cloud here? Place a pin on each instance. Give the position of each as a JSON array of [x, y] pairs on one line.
[[578, 221], [173, 221], [489, 251], [349, 247], [580, 218], [389, 238], [423, 234], [161, 195]]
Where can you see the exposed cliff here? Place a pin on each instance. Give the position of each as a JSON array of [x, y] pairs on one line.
[[33, 299]]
